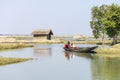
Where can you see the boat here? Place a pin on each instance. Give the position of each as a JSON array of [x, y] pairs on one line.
[[81, 49]]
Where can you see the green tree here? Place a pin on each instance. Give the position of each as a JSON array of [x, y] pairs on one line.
[[111, 22], [106, 20], [96, 23]]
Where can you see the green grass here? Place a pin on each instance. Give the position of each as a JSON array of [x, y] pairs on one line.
[[13, 46], [6, 60], [113, 51]]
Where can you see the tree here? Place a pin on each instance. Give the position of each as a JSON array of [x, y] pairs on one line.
[[96, 24], [106, 20], [111, 22]]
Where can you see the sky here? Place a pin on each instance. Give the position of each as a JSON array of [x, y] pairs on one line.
[[63, 17]]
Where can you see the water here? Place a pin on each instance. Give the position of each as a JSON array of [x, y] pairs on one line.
[[51, 62]]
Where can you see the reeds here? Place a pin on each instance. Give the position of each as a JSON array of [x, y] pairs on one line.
[[6, 60], [113, 51], [14, 46]]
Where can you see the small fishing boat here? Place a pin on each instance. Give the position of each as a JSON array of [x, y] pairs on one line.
[[81, 49]]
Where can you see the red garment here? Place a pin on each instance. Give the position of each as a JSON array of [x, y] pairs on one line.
[[66, 46]]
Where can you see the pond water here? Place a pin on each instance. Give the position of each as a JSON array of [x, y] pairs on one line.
[[51, 62]]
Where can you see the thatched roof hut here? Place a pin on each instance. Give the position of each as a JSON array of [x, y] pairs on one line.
[[43, 33]]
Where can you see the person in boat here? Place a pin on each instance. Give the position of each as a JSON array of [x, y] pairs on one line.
[[73, 46], [67, 45]]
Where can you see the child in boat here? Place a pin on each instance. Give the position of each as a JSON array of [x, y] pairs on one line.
[[73, 46]]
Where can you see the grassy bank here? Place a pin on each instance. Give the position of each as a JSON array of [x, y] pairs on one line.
[[13, 46], [5, 60], [113, 51]]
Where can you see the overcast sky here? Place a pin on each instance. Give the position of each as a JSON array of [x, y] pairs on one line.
[[64, 17]]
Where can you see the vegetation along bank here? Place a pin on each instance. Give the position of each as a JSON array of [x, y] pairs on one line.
[[113, 51]]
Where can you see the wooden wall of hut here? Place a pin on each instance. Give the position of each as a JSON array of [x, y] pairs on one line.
[[42, 34]]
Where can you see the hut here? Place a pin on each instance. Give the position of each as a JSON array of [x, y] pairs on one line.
[[43, 34]]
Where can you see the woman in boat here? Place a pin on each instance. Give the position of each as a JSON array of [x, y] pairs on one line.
[[67, 45]]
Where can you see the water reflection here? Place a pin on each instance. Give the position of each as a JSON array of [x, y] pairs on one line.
[[71, 55], [85, 55], [38, 51], [105, 68]]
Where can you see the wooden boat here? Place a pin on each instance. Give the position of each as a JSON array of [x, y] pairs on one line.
[[81, 49]]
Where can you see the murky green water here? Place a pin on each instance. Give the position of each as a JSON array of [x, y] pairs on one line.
[[51, 62]]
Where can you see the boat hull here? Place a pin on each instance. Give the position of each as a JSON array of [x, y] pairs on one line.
[[81, 49]]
